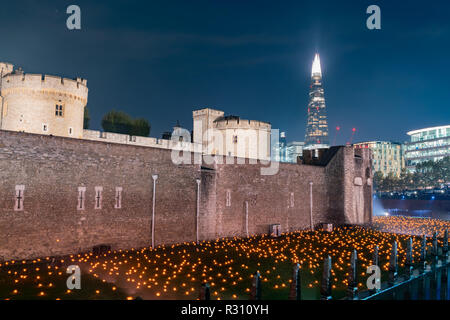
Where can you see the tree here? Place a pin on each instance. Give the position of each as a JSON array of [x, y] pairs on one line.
[[427, 174], [140, 127], [406, 180], [378, 180], [86, 119], [120, 122], [117, 121], [389, 182]]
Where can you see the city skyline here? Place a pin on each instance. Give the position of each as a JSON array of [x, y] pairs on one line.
[[257, 67]]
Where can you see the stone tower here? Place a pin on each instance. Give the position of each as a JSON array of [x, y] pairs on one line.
[[203, 122], [42, 104], [230, 135]]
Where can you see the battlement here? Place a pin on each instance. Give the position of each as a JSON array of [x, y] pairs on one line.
[[236, 123], [212, 112], [6, 68], [47, 83], [111, 137]]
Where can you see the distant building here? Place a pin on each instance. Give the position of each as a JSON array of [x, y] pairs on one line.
[[317, 126], [427, 144], [387, 156], [279, 151], [294, 150]]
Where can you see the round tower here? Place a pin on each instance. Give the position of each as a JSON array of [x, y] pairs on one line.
[[43, 104], [244, 138]]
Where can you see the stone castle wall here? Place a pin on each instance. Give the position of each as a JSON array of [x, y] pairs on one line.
[[52, 169], [111, 137]]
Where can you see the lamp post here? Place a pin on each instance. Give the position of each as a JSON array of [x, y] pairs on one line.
[[198, 206], [311, 205], [154, 177], [246, 218]]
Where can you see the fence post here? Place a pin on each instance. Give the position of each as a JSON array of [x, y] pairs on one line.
[[435, 247], [375, 256], [375, 262], [352, 290], [393, 264], [325, 289], [423, 252], [205, 292], [445, 247], [409, 257], [255, 292], [296, 286]]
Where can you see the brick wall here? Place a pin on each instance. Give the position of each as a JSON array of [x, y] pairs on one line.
[[53, 168]]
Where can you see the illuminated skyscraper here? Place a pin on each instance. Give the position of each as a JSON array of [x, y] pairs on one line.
[[317, 127]]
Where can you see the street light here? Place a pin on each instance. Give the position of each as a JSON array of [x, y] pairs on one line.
[[311, 205], [154, 177], [246, 218]]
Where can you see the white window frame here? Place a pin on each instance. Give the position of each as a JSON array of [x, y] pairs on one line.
[[20, 198], [228, 198], [99, 196], [118, 198], [81, 200]]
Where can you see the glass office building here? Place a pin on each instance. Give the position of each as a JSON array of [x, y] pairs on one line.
[[427, 144], [317, 126], [279, 151], [294, 150], [387, 156]]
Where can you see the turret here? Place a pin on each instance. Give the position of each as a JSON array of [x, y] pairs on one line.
[[42, 104], [5, 68]]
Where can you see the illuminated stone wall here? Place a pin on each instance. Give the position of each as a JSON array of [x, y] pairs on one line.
[[47, 172]]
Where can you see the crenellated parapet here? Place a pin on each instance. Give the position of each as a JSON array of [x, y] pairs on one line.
[[70, 88], [6, 68], [41, 104], [237, 123]]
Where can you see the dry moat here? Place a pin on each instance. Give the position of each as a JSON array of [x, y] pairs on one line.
[[176, 272]]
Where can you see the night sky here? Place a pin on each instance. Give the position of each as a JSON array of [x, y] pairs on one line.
[[162, 59]]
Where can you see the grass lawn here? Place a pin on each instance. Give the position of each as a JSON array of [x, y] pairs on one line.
[[176, 272]]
